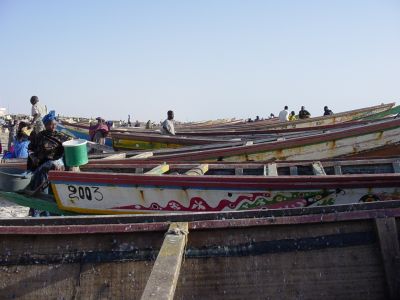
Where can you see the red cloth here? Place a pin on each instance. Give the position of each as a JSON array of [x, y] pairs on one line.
[[98, 127]]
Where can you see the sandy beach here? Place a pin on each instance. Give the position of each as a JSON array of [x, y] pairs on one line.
[[11, 210]]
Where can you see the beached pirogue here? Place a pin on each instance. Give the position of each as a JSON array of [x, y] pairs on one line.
[[136, 138], [223, 187], [377, 139], [336, 252]]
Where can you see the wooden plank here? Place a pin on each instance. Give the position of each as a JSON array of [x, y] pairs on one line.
[[199, 170], [318, 169], [239, 171], [293, 170], [396, 166], [272, 170], [249, 143], [164, 275], [389, 243], [142, 155], [116, 156], [161, 169], [337, 169]]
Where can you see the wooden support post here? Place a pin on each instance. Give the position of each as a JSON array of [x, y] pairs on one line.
[[116, 156], [293, 170], [239, 171], [396, 166], [139, 170], [199, 170], [318, 169], [390, 250], [161, 169], [338, 169], [165, 273], [142, 155], [272, 170]]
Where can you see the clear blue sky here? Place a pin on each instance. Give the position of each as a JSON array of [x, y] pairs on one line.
[[203, 59]]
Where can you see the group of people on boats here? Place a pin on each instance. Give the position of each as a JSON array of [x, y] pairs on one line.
[[285, 116], [41, 144]]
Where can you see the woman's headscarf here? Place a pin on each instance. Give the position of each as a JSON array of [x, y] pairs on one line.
[[49, 117]]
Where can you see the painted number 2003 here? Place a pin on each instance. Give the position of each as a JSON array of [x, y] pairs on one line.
[[84, 193]]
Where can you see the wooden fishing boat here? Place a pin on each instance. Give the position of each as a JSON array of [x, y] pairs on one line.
[[224, 187], [256, 132], [326, 120], [140, 141], [383, 136], [338, 252]]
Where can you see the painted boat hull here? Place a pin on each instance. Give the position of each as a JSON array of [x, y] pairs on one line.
[[105, 193], [331, 252]]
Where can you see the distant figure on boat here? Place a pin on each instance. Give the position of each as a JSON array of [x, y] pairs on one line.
[[129, 121], [303, 113], [137, 124], [12, 127], [149, 125], [167, 127], [327, 111], [292, 116], [284, 114], [38, 112], [257, 119], [271, 116], [99, 131], [249, 120]]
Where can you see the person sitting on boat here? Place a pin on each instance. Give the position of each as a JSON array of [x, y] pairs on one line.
[[149, 125], [257, 119], [167, 127], [327, 111], [21, 142], [99, 131], [45, 152], [283, 115], [292, 116], [303, 113]]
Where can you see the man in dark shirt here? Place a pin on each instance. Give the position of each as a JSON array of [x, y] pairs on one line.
[[327, 111], [304, 114]]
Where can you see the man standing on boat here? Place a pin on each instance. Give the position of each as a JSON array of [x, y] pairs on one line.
[[284, 114], [303, 113], [38, 112], [167, 127]]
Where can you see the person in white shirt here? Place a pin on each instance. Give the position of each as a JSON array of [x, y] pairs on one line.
[[284, 115], [38, 112], [167, 127]]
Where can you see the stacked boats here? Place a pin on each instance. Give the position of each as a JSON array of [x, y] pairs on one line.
[[269, 164], [265, 209]]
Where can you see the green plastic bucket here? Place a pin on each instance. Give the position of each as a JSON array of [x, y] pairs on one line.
[[75, 152]]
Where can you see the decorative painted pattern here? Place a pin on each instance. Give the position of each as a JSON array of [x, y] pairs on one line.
[[139, 199]]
